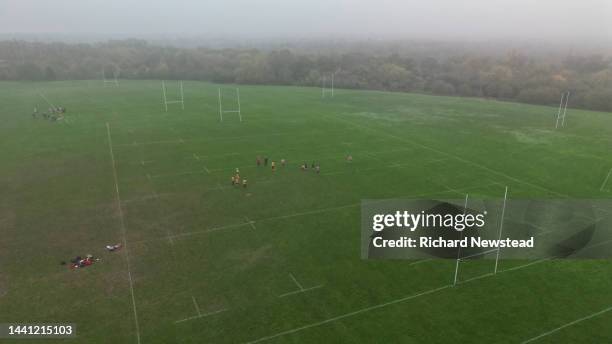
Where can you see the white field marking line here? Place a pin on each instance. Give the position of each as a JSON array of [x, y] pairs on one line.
[[201, 316], [155, 195], [382, 305], [177, 174], [203, 140], [317, 211], [528, 264], [46, 100], [296, 282], [458, 158], [488, 274], [206, 169], [461, 191], [567, 325], [301, 291], [195, 156], [363, 310], [605, 181], [209, 171], [252, 223], [146, 143], [213, 229], [477, 254], [394, 165], [421, 261], [195, 303], [123, 232]]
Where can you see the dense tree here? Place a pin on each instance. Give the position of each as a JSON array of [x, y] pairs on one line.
[[431, 68]]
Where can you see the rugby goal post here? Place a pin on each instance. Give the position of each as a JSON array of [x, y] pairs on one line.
[[497, 250], [562, 112], [181, 95], [325, 89], [222, 111], [112, 81]]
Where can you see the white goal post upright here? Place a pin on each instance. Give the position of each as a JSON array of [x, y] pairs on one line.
[[562, 109], [166, 101], [501, 227], [106, 81], [565, 109], [324, 88], [238, 111], [459, 248]]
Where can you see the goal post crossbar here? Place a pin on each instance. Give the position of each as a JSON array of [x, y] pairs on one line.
[[181, 100], [221, 111], [106, 81], [496, 250]]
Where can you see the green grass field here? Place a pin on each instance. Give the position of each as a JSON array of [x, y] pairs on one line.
[[206, 262]]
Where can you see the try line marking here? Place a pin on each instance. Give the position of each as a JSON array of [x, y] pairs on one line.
[[281, 217], [199, 313], [567, 325], [300, 288], [382, 305], [123, 232]]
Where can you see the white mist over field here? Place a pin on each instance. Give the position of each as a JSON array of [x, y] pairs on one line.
[[466, 19]]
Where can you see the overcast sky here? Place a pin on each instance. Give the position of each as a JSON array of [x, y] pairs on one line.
[[371, 18]]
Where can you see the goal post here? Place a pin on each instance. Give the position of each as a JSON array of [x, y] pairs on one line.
[[496, 251], [112, 81], [562, 112], [237, 110], [325, 89], [180, 100]]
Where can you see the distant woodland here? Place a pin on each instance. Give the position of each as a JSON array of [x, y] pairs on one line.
[[510, 74]]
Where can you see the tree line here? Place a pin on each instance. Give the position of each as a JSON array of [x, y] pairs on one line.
[[516, 76]]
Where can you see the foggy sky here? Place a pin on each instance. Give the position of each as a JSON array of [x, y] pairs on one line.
[[571, 19]]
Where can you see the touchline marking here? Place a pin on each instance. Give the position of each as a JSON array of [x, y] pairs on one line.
[[206, 169], [196, 157], [421, 261], [367, 309], [301, 291], [363, 310], [123, 232], [201, 315], [177, 174], [605, 181], [567, 325]]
